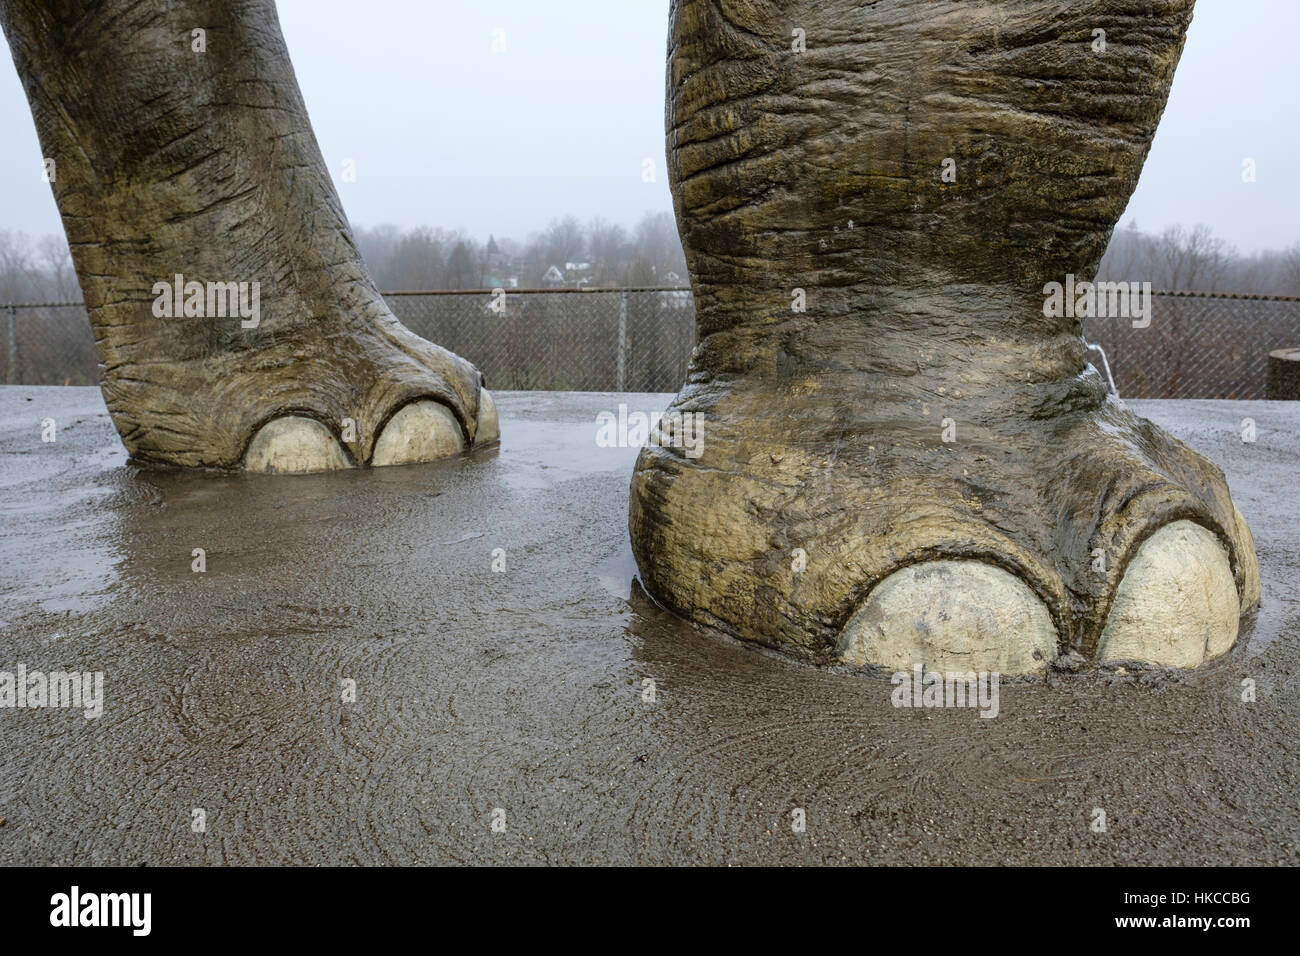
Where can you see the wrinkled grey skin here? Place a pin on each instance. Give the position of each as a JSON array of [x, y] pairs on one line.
[[168, 161], [816, 170], [822, 171]]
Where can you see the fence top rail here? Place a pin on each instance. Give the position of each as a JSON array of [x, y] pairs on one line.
[[42, 305], [644, 288], [1248, 296], [1240, 296], [1251, 296]]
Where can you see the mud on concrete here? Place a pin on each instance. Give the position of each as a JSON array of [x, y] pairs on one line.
[[524, 689]]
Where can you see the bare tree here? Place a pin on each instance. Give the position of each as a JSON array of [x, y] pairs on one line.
[[56, 263], [609, 246], [563, 241], [1290, 269], [461, 270], [16, 272], [658, 246], [1194, 260], [377, 247], [417, 261], [1125, 255]]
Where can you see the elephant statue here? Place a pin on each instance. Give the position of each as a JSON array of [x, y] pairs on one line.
[[192, 190], [909, 458]]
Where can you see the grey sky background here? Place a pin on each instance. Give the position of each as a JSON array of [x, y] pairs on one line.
[[445, 132]]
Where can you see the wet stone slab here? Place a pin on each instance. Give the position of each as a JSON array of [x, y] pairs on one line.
[[349, 680]]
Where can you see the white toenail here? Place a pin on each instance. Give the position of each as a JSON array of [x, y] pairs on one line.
[[488, 429], [294, 445], [1177, 605], [951, 616], [421, 431]]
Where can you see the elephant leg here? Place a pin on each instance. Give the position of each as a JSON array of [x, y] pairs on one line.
[[905, 456], [235, 323]]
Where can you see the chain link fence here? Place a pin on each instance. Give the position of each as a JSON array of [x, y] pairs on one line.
[[46, 344], [1198, 345], [602, 340]]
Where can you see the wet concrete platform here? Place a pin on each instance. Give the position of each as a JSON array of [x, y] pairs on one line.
[[523, 689]]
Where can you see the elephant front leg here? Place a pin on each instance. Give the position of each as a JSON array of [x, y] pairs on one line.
[[907, 458], [235, 323]]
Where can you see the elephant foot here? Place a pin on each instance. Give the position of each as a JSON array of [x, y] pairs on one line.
[[316, 396], [400, 410], [878, 522], [905, 455], [423, 430]]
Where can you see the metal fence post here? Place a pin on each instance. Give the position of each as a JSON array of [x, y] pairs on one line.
[[12, 377], [621, 376]]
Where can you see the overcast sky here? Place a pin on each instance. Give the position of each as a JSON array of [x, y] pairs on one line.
[[446, 132]]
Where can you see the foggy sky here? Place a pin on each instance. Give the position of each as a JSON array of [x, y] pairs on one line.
[[445, 132]]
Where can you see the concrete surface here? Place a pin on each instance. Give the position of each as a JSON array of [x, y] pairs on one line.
[[524, 689]]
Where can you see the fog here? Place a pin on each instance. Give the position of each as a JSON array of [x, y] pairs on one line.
[[498, 116]]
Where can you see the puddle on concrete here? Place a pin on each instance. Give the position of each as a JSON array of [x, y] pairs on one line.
[[527, 688], [618, 574]]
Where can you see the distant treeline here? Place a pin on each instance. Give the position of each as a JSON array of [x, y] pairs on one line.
[[1195, 260], [604, 254]]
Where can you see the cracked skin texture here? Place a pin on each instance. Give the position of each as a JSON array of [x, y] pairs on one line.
[[172, 161], [821, 171]]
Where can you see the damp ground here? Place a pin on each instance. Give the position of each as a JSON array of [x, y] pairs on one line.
[[519, 695]]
